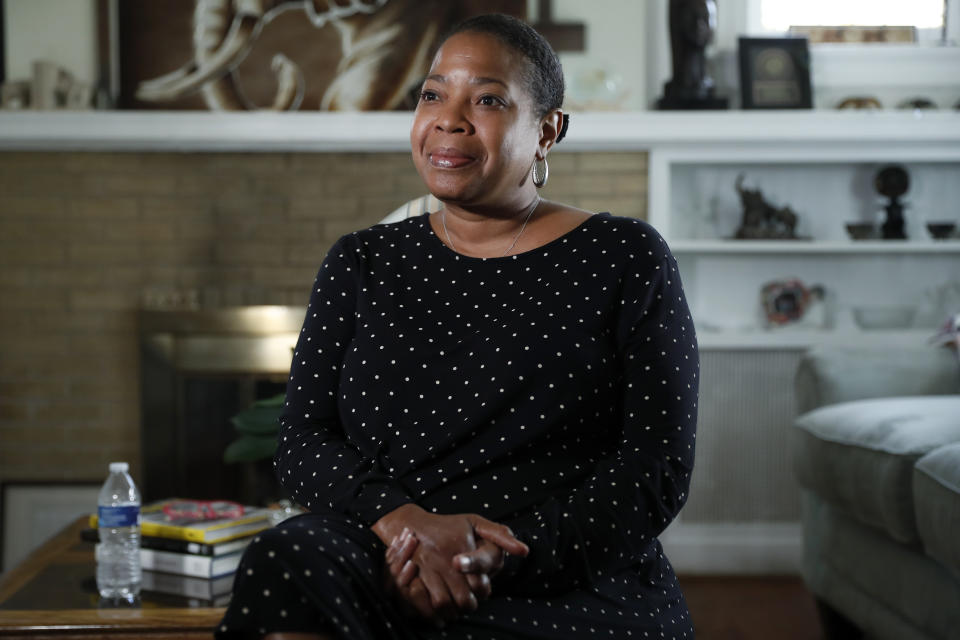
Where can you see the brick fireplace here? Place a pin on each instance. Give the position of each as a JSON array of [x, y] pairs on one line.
[[87, 240]]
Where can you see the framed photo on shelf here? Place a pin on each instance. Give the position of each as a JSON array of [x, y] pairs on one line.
[[775, 73]]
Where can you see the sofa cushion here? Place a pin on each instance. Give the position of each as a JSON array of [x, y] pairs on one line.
[[860, 455], [936, 496], [829, 375]]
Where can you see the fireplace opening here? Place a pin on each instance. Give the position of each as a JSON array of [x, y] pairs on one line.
[[198, 369]]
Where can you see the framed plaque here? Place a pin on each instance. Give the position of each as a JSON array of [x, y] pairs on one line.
[[775, 73]]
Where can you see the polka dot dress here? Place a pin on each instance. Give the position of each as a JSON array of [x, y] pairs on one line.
[[554, 391]]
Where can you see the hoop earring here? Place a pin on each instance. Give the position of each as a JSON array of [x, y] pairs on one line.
[[539, 182]]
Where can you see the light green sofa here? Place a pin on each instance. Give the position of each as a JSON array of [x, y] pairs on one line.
[[877, 455]]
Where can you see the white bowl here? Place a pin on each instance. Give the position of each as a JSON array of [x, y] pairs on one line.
[[894, 317]]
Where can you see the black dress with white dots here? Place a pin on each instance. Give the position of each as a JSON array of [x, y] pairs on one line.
[[554, 391]]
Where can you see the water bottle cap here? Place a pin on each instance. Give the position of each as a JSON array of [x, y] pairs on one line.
[[119, 467]]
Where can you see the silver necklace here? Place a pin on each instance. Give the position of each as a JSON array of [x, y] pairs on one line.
[[536, 203]]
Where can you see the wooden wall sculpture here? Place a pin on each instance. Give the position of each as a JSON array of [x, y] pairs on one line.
[[283, 54]]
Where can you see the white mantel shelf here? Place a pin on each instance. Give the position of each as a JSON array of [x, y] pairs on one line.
[[800, 339], [388, 131]]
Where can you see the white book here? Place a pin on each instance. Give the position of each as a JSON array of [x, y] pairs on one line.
[[187, 564], [214, 592]]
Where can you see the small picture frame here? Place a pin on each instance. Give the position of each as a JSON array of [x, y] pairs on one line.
[[775, 73]]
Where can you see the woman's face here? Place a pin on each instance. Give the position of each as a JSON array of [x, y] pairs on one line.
[[475, 133]]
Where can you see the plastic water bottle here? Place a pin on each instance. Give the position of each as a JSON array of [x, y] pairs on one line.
[[118, 519]]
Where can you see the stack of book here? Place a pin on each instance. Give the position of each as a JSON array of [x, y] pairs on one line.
[[189, 556]]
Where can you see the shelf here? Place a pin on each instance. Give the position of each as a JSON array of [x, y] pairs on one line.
[[793, 339], [742, 247], [389, 131]]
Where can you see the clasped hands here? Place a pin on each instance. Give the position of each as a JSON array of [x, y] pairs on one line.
[[438, 566]]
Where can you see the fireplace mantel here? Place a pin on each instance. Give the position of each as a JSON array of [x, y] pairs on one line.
[[388, 131]]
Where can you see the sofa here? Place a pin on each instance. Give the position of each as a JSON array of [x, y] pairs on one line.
[[877, 457]]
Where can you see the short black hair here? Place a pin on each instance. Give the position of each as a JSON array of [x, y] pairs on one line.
[[543, 76]]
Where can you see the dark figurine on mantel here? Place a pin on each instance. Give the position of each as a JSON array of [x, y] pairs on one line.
[[763, 221], [692, 25], [893, 182]]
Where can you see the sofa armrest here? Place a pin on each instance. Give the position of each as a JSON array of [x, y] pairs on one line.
[[831, 375]]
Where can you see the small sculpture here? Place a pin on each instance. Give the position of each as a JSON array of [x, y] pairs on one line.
[[692, 24], [860, 102], [50, 87], [893, 182], [763, 221]]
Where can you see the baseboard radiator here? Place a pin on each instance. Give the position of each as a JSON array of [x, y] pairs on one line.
[[744, 508]]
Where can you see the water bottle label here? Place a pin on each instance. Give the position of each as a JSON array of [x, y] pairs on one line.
[[125, 516]]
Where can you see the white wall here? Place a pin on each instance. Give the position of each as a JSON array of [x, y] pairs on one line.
[[61, 31], [615, 42]]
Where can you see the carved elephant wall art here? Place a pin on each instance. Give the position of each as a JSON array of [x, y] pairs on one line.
[[337, 55]]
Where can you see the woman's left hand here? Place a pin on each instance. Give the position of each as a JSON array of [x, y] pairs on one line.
[[480, 565], [399, 570], [400, 578]]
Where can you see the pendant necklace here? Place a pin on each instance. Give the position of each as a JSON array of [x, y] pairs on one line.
[[536, 203]]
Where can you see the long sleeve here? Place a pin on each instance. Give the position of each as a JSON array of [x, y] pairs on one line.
[[609, 520], [316, 462]]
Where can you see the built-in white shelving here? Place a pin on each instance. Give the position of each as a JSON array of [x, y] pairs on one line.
[[807, 159], [746, 247], [822, 165]]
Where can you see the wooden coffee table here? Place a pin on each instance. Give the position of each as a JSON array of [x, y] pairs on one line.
[[52, 594]]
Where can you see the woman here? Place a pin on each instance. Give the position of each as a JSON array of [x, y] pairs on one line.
[[491, 408]]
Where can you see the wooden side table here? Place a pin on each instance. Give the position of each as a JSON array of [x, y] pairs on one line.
[[53, 594]]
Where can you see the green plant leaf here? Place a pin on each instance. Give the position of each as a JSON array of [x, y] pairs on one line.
[[262, 420], [250, 449], [275, 401]]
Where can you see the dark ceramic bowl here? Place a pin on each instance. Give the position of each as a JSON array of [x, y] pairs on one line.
[[861, 230], [941, 230]]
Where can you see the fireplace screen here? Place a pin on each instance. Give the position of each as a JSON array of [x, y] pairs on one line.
[[198, 370]]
